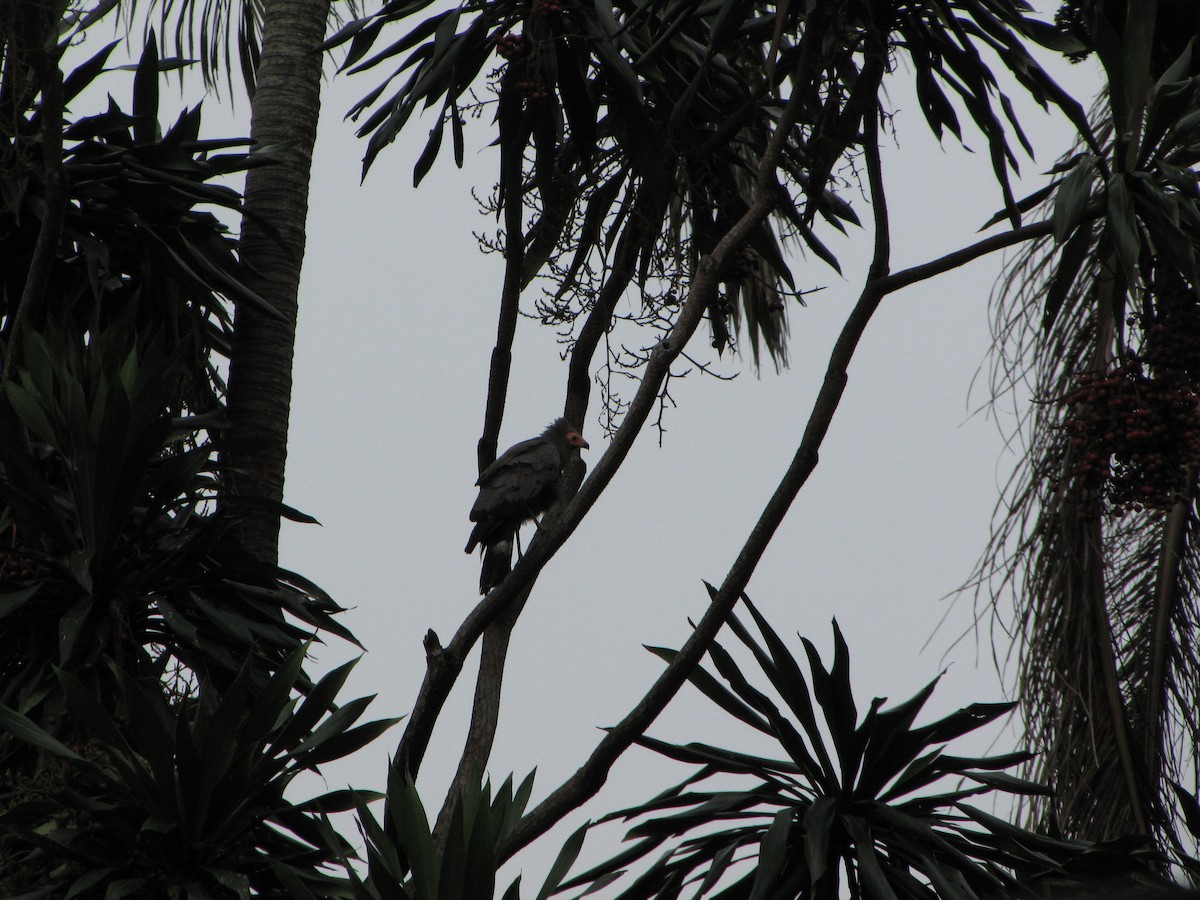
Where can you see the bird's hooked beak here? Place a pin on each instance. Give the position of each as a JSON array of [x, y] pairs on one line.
[[576, 439]]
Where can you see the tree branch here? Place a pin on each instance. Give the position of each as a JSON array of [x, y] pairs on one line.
[[588, 780], [510, 294], [954, 260], [590, 777], [485, 714], [445, 664]]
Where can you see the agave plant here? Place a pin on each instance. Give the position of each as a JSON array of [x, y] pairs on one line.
[[149, 659], [872, 806], [111, 541], [183, 799], [136, 237], [113, 545], [405, 861]]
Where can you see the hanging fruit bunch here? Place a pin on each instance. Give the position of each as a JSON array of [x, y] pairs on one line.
[[512, 46], [523, 65], [532, 55], [1134, 430]]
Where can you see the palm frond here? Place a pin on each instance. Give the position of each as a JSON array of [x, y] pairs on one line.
[[666, 107], [223, 36]]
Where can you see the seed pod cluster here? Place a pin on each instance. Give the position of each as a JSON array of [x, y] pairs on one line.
[[512, 46], [16, 567], [1135, 436], [1173, 341], [532, 88], [1134, 430]]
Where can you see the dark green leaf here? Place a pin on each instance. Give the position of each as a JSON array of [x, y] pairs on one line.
[[12, 722], [429, 154], [1071, 261], [145, 93], [716, 692], [85, 73], [818, 828], [1123, 227], [563, 862], [772, 854], [1072, 198], [869, 870]]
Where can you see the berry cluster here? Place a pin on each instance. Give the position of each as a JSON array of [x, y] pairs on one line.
[[512, 46], [532, 88], [550, 7], [1173, 340], [16, 567], [1135, 433]]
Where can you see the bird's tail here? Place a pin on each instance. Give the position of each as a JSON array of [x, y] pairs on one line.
[[497, 563], [477, 537]]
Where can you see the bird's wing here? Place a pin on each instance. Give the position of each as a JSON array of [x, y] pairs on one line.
[[513, 481]]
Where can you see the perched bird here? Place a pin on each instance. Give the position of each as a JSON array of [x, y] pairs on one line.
[[518, 487]]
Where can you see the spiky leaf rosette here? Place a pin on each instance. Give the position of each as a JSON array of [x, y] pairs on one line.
[[873, 805]]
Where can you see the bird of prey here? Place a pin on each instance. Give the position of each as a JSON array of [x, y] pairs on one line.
[[518, 487]]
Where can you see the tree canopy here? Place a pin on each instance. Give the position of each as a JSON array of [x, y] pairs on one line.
[[658, 165]]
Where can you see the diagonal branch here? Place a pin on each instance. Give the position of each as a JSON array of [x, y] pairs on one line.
[[445, 663], [588, 780], [590, 777], [957, 258]]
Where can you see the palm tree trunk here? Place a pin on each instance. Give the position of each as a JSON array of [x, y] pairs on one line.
[[284, 112]]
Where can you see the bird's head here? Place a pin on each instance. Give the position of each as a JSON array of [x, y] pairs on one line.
[[565, 434]]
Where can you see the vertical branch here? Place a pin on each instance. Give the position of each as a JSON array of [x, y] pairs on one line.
[[485, 712], [497, 634], [512, 150]]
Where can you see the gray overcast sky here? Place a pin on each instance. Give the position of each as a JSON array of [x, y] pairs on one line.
[[397, 321]]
